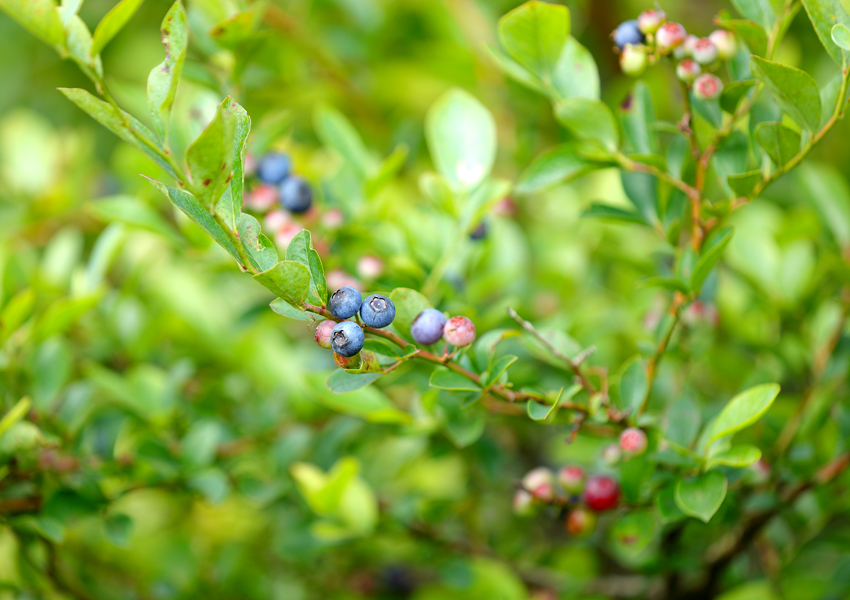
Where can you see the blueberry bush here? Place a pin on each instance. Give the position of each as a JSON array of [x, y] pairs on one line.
[[529, 301]]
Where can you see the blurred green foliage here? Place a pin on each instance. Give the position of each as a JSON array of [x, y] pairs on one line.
[[168, 436]]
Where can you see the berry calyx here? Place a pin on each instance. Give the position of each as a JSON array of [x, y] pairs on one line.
[[427, 327], [650, 20], [295, 195], [633, 441], [601, 494], [273, 167], [580, 522], [377, 311], [459, 331], [707, 86], [572, 479], [727, 45], [704, 51], [687, 70], [538, 483], [347, 338], [345, 302], [670, 35], [323, 334], [627, 32], [633, 60]]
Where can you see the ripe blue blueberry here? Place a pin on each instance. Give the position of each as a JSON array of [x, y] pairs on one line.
[[627, 32], [345, 302], [427, 327], [347, 338], [377, 311], [295, 195], [274, 167], [480, 232]]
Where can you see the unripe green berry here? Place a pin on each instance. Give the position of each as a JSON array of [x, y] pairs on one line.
[[523, 503], [538, 482], [580, 522], [727, 45], [633, 60], [650, 20], [572, 479], [687, 70]]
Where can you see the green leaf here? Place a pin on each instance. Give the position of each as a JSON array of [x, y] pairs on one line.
[[825, 15], [163, 79], [118, 529], [537, 411], [500, 366], [408, 304], [633, 385], [642, 190], [234, 31], [683, 422], [710, 255], [79, 42], [260, 249], [637, 114], [665, 504], [340, 381], [385, 172], [753, 34], [39, 17], [134, 212], [230, 205], [743, 184], [449, 380], [576, 73], [461, 136], [516, 71], [734, 92], [668, 283], [301, 250], [743, 410], [781, 143], [121, 124], [841, 36], [113, 22], [534, 34], [827, 189], [193, 209], [288, 280], [383, 347], [366, 402], [701, 496], [589, 119], [336, 132], [795, 90], [736, 456], [760, 11], [210, 157], [633, 532], [283, 308], [556, 165], [613, 213], [15, 414], [732, 156]]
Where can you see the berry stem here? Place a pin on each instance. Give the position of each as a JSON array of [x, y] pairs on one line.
[[676, 306]]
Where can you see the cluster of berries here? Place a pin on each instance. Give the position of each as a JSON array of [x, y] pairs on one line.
[[651, 36], [582, 496], [346, 338]]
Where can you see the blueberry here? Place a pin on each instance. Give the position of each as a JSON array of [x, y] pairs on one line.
[[274, 167], [345, 302], [295, 195], [347, 338], [627, 32], [480, 232], [427, 327], [377, 311]]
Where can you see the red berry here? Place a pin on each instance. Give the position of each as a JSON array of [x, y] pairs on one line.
[[572, 479], [580, 522], [459, 331], [633, 441], [601, 493]]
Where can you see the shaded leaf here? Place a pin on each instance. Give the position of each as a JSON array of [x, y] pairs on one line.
[[445, 379], [588, 119], [613, 213], [408, 304], [710, 255], [781, 143], [794, 90], [556, 165], [534, 34], [701, 496], [340, 381], [825, 15], [113, 22], [736, 456], [163, 79]]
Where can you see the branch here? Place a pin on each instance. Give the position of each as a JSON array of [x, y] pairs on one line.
[[652, 368]]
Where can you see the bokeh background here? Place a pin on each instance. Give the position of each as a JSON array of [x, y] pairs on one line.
[[169, 403]]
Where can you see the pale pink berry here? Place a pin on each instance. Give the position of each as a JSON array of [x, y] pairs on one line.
[[338, 278], [670, 35], [506, 207], [687, 48], [323, 333], [370, 267], [459, 331], [538, 482], [727, 45], [687, 70], [633, 60], [523, 504], [250, 164], [704, 52], [261, 198], [707, 86], [650, 20], [275, 220], [333, 218], [572, 479], [286, 234], [611, 454], [633, 441]]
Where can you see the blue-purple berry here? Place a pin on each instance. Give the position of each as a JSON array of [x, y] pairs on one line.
[[480, 232], [296, 195], [347, 338], [345, 302], [377, 311], [427, 327], [274, 167], [627, 32]]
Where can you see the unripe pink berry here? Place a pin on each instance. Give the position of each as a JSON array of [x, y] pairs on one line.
[[459, 331], [261, 198], [687, 48], [704, 52], [633, 60], [611, 454], [687, 70], [347, 362], [572, 479], [670, 35], [538, 482], [650, 20], [250, 164], [339, 278], [727, 45], [707, 86], [760, 471], [286, 234], [580, 522], [323, 333], [275, 220], [523, 503], [602, 493], [370, 267], [633, 441], [333, 218]]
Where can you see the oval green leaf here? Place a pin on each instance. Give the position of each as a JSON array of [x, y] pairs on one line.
[[701, 496], [744, 409]]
